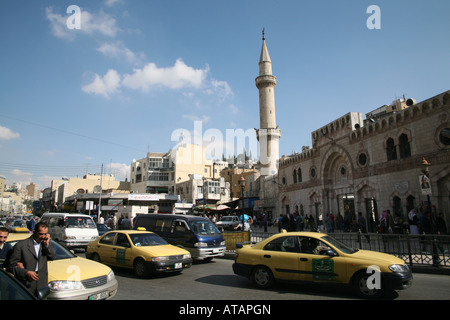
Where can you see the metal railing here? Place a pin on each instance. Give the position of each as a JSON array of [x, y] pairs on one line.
[[416, 250]]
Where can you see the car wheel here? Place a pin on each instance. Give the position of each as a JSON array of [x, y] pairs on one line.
[[262, 277], [140, 269], [96, 257], [363, 289]]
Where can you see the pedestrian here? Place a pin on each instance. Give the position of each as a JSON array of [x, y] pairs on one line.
[[5, 247], [32, 254], [326, 222], [384, 222], [440, 224], [265, 222], [413, 222], [361, 223]]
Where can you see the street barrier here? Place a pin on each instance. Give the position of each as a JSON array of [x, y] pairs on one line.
[[232, 238]]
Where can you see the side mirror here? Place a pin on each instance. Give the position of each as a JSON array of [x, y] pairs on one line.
[[43, 293], [328, 252]]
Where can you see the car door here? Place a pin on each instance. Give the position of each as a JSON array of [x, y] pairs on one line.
[[105, 248], [281, 255], [316, 263], [180, 234], [121, 251]]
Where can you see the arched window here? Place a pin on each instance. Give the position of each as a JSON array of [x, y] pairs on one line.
[[295, 176], [404, 147], [299, 174], [391, 150]]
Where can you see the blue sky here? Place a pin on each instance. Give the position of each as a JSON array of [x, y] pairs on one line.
[[136, 71]]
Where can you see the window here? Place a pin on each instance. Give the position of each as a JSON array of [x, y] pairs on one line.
[[444, 136], [312, 246], [122, 240], [404, 147], [362, 159], [108, 239], [154, 162], [295, 176], [313, 173], [299, 175], [283, 244], [391, 150]]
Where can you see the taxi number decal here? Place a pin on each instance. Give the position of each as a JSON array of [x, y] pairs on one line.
[[323, 269], [120, 256]]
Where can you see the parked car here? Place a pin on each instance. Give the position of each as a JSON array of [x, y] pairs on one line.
[[317, 257], [75, 278], [144, 252], [228, 223], [102, 229]]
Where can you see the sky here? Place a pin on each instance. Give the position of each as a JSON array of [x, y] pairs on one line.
[[86, 84]]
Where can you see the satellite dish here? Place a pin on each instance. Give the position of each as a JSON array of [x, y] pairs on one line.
[[80, 191]]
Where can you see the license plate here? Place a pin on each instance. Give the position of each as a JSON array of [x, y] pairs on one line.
[[178, 265], [99, 296]]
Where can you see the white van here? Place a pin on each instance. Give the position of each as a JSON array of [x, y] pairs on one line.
[[72, 230]]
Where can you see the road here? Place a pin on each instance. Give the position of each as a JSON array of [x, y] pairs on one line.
[[216, 281]]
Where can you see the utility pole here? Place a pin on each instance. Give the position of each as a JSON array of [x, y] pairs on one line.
[[100, 196]]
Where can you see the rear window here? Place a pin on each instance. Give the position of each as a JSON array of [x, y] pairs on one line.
[[79, 222]]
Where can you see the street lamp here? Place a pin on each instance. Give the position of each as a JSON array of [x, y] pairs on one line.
[[242, 182], [425, 184]]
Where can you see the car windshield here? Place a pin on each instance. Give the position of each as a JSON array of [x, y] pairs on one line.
[[79, 222], [203, 227], [339, 245], [227, 219], [61, 252], [145, 240]]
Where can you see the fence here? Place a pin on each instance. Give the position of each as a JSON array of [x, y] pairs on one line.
[[416, 250]]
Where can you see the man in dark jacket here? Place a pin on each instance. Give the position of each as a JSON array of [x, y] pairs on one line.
[[5, 247], [29, 259]]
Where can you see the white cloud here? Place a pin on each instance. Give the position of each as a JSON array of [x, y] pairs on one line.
[[118, 50], [111, 3], [90, 23], [176, 77], [119, 170], [203, 118], [7, 134], [221, 89], [105, 85]]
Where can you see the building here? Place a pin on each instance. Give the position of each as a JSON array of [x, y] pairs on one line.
[[373, 164], [269, 133], [203, 192], [161, 172], [54, 197]]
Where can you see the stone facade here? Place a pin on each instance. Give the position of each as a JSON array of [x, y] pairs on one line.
[[373, 164]]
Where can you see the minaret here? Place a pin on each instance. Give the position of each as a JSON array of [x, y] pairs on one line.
[[268, 134]]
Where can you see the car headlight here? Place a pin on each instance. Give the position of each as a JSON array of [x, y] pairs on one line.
[[61, 285], [110, 276], [186, 256], [200, 244], [222, 243], [399, 268], [159, 259]]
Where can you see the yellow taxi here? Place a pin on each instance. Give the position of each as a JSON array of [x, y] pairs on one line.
[[317, 257], [75, 278], [143, 251]]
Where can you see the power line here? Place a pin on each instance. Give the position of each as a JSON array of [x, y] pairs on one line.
[[71, 133]]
